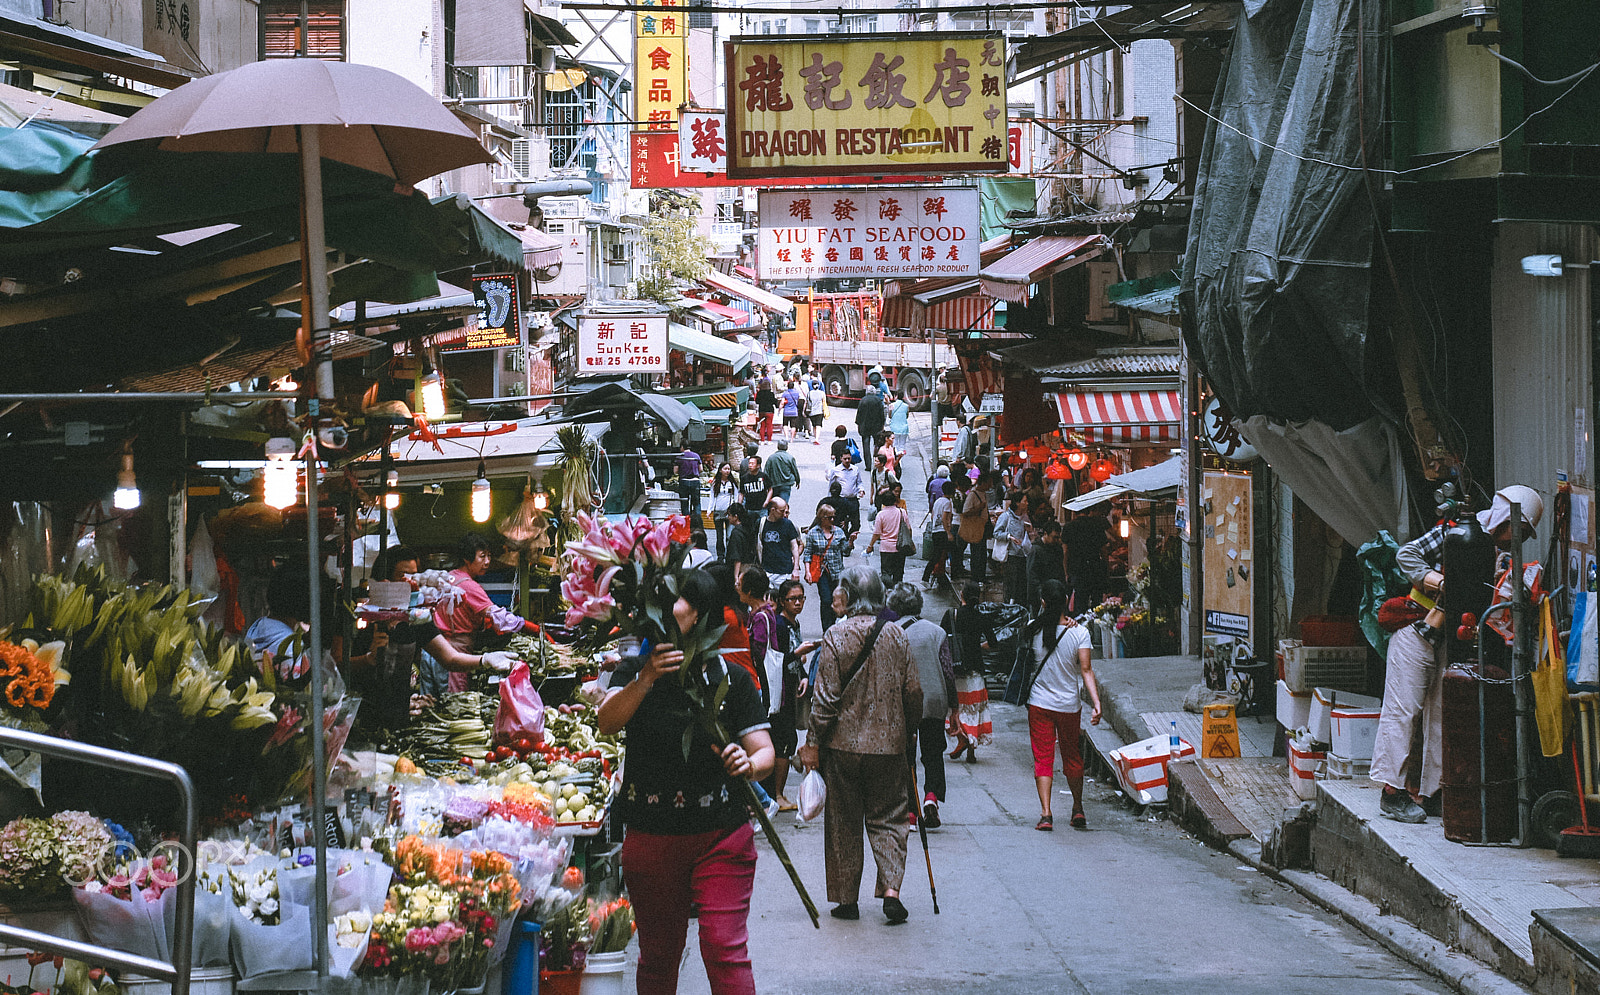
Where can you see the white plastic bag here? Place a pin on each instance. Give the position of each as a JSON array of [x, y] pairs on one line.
[[259, 949], [131, 925], [213, 922], [813, 796]]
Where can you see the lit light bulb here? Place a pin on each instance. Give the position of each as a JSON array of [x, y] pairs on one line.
[[126, 496], [541, 500], [1126, 529], [480, 496], [432, 390], [1077, 459], [391, 494], [280, 484]]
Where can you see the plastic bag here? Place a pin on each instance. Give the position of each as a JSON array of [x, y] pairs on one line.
[[213, 915], [1583, 647], [259, 949], [521, 711], [132, 925], [813, 796], [525, 525], [1550, 686]]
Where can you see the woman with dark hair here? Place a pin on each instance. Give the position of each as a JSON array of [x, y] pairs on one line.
[[886, 535], [866, 705], [1060, 663], [724, 492], [735, 646], [689, 848], [791, 598], [972, 727]]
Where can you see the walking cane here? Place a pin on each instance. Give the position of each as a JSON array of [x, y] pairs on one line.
[[922, 831]]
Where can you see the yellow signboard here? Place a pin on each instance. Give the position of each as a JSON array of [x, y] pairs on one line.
[[660, 68], [868, 105]]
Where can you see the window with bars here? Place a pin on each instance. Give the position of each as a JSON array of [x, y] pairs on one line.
[[280, 29], [564, 116], [701, 18]]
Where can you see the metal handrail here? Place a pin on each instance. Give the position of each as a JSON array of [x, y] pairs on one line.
[[183, 925]]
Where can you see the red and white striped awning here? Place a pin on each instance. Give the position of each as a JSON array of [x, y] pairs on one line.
[[1123, 415]]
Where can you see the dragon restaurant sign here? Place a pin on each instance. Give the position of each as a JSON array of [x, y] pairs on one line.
[[880, 232], [869, 105]]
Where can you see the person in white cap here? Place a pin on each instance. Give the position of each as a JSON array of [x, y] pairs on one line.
[[1413, 687]]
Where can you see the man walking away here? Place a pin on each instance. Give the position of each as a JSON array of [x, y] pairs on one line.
[[689, 482], [782, 471], [930, 649], [869, 418]]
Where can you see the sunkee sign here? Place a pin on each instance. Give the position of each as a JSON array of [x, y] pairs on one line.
[[881, 232]]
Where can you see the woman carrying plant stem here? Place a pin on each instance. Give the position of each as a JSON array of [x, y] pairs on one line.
[[1061, 662], [689, 845]]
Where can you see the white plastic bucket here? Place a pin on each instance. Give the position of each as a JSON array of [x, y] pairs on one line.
[[602, 974]]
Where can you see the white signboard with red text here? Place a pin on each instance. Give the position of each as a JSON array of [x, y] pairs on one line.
[[609, 343], [881, 232], [702, 143]]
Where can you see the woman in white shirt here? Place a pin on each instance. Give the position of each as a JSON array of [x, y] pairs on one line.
[[1061, 647]]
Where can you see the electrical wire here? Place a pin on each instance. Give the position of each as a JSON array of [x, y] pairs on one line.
[[1513, 63]]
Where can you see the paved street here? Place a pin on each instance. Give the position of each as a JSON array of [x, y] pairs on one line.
[[1130, 906]]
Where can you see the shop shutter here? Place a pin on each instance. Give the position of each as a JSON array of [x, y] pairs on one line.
[[280, 22]]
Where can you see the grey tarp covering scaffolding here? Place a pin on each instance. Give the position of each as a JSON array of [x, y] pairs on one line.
[[1276, 287], [1276, 277]]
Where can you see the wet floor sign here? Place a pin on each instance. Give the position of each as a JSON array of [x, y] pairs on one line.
[[1219, 732]]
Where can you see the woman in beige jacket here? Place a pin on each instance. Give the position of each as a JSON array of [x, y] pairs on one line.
[[866, 702], [975, 526]]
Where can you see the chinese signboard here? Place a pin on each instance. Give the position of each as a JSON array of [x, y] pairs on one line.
[[622, 344], [926, 103], [499, 319], [660, 68], [656, 164], [878, 232], [701, 144], [172, 30]]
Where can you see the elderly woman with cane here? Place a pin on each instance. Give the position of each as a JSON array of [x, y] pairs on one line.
[[866, 705]]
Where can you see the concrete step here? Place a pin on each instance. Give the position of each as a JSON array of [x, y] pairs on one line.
[[1566, 950], [1195, 805]]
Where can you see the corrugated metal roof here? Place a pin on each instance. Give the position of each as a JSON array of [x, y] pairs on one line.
[[1009, 277], [1141, 364], [1153, 295]]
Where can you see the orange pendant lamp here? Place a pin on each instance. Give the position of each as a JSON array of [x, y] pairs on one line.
[[1102, 469]]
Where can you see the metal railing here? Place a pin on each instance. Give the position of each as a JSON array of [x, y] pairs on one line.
[[177, 971]]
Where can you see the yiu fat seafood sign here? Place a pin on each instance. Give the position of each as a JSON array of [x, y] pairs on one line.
[[881, 232], [869, 105]]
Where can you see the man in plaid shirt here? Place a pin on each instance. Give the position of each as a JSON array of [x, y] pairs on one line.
[[829, 541], [1413, 686]]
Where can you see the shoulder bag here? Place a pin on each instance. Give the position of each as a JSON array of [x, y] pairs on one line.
[[823, 735], [904, 540], [1000, 545], [814, 567]]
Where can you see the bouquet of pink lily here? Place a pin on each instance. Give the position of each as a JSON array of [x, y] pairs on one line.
[[623, 580]]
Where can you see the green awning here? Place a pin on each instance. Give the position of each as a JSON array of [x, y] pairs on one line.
[[1153, 295], [707, 346]]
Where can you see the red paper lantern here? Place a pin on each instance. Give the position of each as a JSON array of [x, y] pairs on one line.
[[1102, 469], [1057, 470], [1077, 459]]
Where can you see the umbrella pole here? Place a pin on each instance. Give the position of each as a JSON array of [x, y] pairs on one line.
[[315, 304]]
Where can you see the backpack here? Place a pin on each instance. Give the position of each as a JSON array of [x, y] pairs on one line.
[[855, 450]]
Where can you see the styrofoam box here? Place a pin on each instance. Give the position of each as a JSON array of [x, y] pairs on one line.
[[1141, 768], [1340, 667], [1337, 768], [1325, 700], [1355, 730], [202, 981], [1303, 767], [1294, 707]]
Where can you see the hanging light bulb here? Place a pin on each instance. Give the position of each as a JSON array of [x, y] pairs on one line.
[[1125, 528], [126, 496], [480, 495], [541, 500], [1077, 459], [431, 391], [391, 493], [280, 482]]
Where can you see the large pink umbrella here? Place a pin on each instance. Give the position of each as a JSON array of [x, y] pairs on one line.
[[359, 115]]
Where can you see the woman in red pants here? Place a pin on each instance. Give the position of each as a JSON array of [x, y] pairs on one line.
[[688, 845], [1061, 647]]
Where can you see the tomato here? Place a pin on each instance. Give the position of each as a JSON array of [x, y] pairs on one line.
[[504, 753], [522, 744], [488, 758]]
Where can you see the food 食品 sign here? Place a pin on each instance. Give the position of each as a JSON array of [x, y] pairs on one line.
[[868, 105], [612, 344], [878, 232]]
